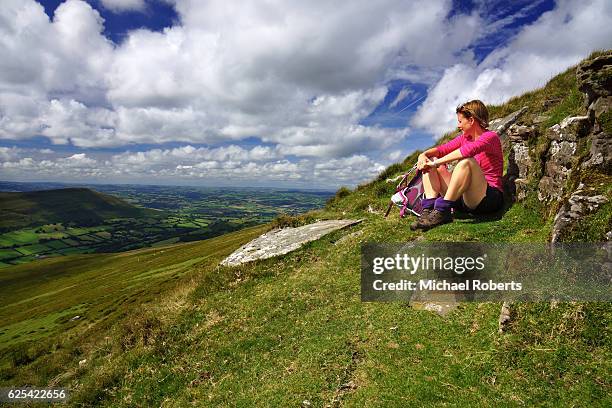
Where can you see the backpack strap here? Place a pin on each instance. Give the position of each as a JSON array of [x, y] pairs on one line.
[[404, 202]]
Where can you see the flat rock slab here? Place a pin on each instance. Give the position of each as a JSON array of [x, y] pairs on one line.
[[282, 241]]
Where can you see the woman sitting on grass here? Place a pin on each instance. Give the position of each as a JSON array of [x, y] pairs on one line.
[[475, 184]]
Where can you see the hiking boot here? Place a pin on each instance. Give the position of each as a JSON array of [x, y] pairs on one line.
[[419, 221], [436, 218]]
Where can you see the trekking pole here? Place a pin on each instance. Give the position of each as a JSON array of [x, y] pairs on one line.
[[389, 208]]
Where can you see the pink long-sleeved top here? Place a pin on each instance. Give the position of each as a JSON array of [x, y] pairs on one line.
[[486, 150]]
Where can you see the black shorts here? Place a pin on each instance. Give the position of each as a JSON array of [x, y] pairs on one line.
[[492, 201]]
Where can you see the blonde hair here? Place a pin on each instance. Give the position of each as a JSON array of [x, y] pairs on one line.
[[477, 110]]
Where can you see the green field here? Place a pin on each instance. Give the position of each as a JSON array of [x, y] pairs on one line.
[[57, 244], [26, 236], [8, 254], [204, 215], [33, 249]]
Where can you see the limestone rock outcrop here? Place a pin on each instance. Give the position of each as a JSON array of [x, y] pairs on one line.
[[553, 162], [595, 80], [561, 156], [500, 125], [580, 204], [600, 153], [520, 163]]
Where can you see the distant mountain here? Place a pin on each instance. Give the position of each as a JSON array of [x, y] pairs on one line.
[[80, 206]]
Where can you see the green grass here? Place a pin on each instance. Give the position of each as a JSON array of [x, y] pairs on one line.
[[24, 259], [187, 225], [103, 234], [33, 249], [56, 244], [285, 330], [79, 231], [556, 100], [21, 237], [4, 243], [166, 242], [36, 328], [8, 253], [58, 227], [39, 291]]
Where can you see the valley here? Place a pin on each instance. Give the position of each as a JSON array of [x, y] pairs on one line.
[[147, 216]]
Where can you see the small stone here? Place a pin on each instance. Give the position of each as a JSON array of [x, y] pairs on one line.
[[540, 119], [434, 307], [504, 317], [521, 186], [348, 386]]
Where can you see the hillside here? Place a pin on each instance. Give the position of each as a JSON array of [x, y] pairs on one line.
[[56, 303], [80, 206], [292, 331]]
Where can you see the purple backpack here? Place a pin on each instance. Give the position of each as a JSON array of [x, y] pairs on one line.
[[409, 194]]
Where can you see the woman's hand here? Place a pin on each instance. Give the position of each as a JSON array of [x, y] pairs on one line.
[[422, 162]]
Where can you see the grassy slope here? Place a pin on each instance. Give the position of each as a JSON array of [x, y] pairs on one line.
[[40, 299], [285, 330], [18, 210], [281, 331]]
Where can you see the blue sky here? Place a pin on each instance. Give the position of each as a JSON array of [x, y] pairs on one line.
[[155, 16], [283, 93]]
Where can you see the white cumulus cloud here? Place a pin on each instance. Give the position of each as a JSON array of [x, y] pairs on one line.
[[559, 39], [296, 74], [300, 77], [123, 5]]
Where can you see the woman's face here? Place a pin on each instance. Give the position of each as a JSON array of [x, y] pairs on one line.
[[464, 124]]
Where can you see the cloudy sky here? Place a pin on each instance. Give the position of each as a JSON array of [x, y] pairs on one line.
[[306, 94]]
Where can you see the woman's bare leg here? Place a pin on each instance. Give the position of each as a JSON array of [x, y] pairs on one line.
[[435, 182], [467, 181]]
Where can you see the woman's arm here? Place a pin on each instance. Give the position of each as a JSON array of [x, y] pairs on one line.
[[439, 151], [452, 156], [424, 157]]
